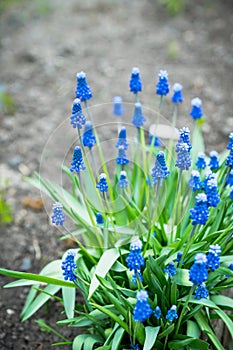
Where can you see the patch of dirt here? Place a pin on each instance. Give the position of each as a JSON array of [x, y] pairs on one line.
[[42, 48]]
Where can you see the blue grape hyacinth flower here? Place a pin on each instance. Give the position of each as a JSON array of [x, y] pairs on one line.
[[201, 163], [122, 157], [198, 272], [162, 87], [160, 170], [77, 118], [88, 138], [118, 108], [214, 161], [196, 112], [138, 118], [229, 160], [68, 266], [77, 163], [195, 181], [213, 257], [99, 219], [83, 90], [200, 212], [184, 137], [58, 217], [211, 189], [183, 161], [178, 257], [123, 182], [177, 93], [230, 143], [157, 141], [172, 313], [102, 185], [229, 180], [170, 269], [122, 140], [142, 310], [135, 83], [157, 312], [135, 260], [201, 292]]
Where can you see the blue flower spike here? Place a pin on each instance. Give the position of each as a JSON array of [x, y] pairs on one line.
[[135, 83], [77, 163], [123, 182], [200, 163], [211, 189], [196, 112], [183, 161], [83, 90], [198, 272], [68, 266], [230, 143], [200, 212], [102, 185], [170, 269], [172, 313], [195, 181], [157, 141], [99, 219], [138, 118], [122, 157], [177, 93], [229, 180], [118, 109], [214, 160], [58, 217], [142, 310], [213, 257], [157, 312], [184, 138], [201, 292], [135, 260], [160, 170], [88, 138], [122, 140], [77, 118], [162, 87]]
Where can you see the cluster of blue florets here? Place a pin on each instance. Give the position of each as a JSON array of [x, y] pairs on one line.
[[77, 163], [160, 170], [68, 266], [135, 260], [138, 118], [58, 217], [170, 269], [83, 90], [88, 138], [123, 182], [102, 184], [200, 212]]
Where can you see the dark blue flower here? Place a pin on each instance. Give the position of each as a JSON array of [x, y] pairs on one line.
[[162, 87], [123, 182], [183, 161], [118, 108], [83, 90], [135, 259], [77, 163], [77, 118], [170, 269], [58, 217], [200, 213], [184, 137], [200, 163], [157, 141], [211, 189], [88, 138], [201, 292], [231, 193], [198, 272], [229, 161], [229, 180], [160, 170], [177, 96], [68, 266], [99, 219], [138, 118], [135, 83], [178, 257], [196, 112], [142, 310], [102, 185], [213, 257], [122, 141], [122, 157], [157, 312], [214, 161], [172, 313], [195, 181], [230, 143]]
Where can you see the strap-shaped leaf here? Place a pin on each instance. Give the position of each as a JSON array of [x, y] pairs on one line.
[[151, 335], [69, 295]]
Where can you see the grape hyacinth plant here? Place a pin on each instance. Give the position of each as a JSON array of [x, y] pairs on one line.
[[152, 230]]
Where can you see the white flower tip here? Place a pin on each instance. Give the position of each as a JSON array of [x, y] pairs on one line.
[[197, 102], [177, 87]]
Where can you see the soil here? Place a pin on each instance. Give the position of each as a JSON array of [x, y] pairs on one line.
[[43, 45]]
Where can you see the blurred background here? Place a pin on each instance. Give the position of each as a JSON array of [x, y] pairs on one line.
[[43, 44]]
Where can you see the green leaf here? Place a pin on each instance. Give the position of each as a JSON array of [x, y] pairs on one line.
[[105, 263], [167, 331], [204, 302], [178, 344], [69, 295], [222, 300], [40, 300], [182, 277], [34, 277], [193, 329], [197, 143], [85, 340], [226, 319], [151, 335], [116, 342]]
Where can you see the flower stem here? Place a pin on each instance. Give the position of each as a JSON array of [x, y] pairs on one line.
[[184, 309]]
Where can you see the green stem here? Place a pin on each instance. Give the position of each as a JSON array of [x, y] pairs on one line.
[[184, 309], [176, 203]]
